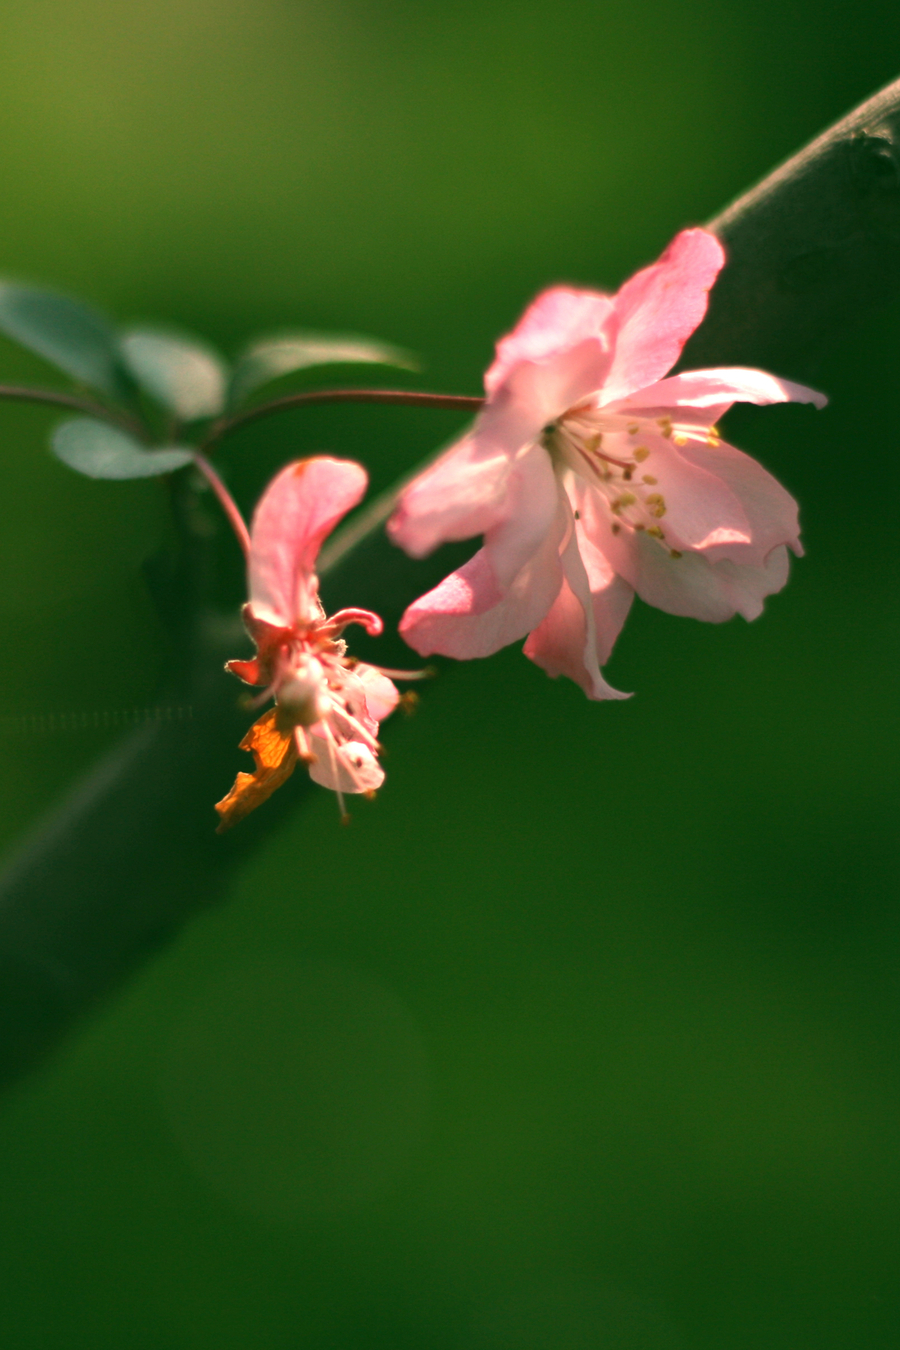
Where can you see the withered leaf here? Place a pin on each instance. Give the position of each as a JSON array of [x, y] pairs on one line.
[[276, 758]]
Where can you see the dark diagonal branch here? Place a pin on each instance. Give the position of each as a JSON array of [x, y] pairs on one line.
[[132, 854]]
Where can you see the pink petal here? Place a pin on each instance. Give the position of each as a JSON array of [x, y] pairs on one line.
[[566, 642], [537, 392], [381, 694], [712, 392], [556, 321], [295, 513], [611, 596], [770, 510], [692, 584], [529, 509], [344, 768], [458, 497], [659, 308], [468, 614]]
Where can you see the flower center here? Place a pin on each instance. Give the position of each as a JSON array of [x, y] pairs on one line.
[[614, 453]]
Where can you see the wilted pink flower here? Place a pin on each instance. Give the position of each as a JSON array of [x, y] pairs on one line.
[[592, 477], [327, 706]]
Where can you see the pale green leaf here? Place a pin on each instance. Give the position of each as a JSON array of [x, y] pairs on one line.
[[269, 358], [183, 374], [101, 451], [66, 332]]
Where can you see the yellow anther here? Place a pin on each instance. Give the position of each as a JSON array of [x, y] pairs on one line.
[[665, 425], [713, 441], [655, 532], [648, 478], [641, 453], [626, 499], [654, 499], [628, 473], [615, 527], [680, 439], [633, 429], [673, 553], [594, 442]]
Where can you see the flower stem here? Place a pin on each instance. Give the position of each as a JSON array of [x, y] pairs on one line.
[[58, 399], [409, 398], [227, 502]]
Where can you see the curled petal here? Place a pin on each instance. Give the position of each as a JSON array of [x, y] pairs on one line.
[[276, 758], [372, 623], [298, 509], [659, 308]]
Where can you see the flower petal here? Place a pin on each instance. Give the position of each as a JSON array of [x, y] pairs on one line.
[[381, 694], [468, 614], [692, 584], [712, 392], [566, 642], [769, 509], [529, 511], [659, 308], [558, 320], [350, 767], [458, 497], [295, 513]]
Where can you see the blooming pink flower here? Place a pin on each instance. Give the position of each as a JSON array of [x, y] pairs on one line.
[[327, 706], [592, 477]]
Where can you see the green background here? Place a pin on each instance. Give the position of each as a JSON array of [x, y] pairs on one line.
[[584, 1036]]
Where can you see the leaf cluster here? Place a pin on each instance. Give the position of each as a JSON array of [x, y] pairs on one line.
[[147, 377]]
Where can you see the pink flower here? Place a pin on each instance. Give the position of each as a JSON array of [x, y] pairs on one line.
[[592, 477], [327, 706]]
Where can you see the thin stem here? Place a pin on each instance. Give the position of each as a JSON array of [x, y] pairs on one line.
[[227, 502], [406, 397], [22, 394]]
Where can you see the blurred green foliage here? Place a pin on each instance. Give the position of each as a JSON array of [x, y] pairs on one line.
[[584, 1036]]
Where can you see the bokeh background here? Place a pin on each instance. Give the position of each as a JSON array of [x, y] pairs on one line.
[[585, 1035]]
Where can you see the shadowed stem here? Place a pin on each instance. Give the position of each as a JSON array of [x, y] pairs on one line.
[[132, 854]]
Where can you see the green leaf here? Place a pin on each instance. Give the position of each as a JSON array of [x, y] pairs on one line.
[[181, 373], [71, 335], [269, 358], [101, 451]]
